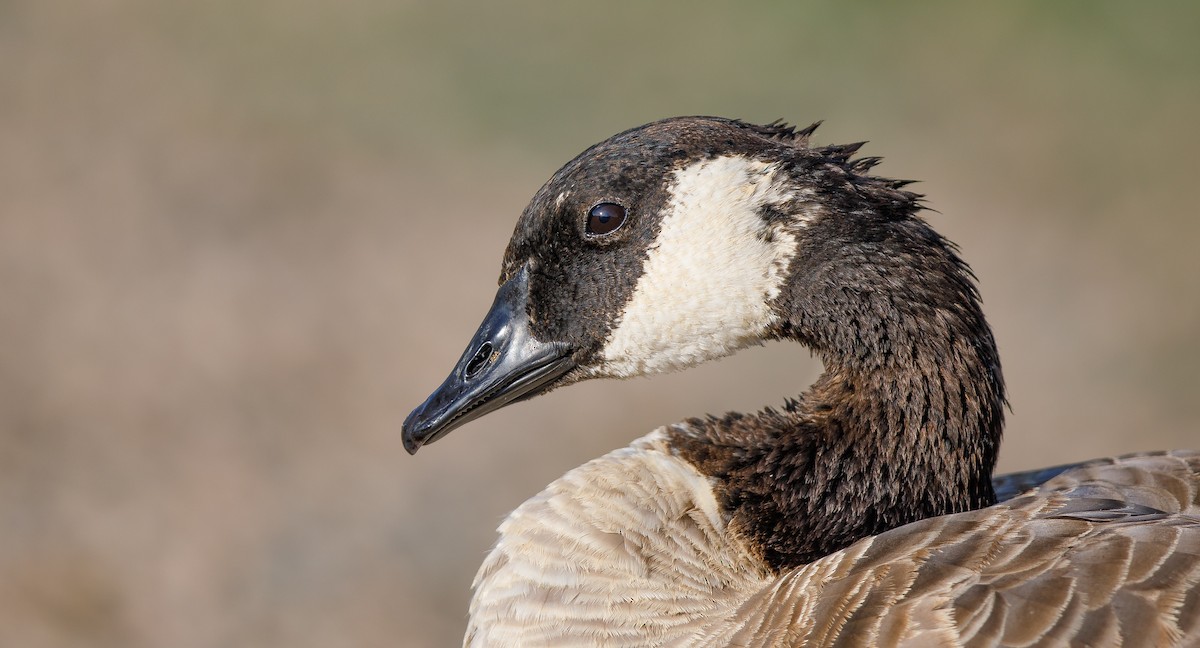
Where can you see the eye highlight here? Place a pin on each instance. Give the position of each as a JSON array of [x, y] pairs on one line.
[[605, 218]]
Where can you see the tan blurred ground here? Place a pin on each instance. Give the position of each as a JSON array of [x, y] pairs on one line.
[[240, 240]]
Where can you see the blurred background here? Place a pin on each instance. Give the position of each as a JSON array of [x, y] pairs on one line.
[[240, 240]]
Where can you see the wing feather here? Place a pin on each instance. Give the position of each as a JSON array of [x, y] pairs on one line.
[[1104, 553]]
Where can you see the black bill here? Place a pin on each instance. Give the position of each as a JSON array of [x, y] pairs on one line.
[[502, 365]]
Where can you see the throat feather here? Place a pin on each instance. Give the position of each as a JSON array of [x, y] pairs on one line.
[[710, 278], [903, 425]]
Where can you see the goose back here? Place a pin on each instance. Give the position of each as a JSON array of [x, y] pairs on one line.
[[628, 550]]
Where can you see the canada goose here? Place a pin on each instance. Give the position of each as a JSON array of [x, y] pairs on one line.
[[863, 512]]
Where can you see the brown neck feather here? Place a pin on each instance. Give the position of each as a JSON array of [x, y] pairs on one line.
[[904, 424]]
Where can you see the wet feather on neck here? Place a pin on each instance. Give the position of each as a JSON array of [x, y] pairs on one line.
[[904, 423]]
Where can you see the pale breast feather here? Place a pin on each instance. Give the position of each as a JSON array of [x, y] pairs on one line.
[[629, 548]]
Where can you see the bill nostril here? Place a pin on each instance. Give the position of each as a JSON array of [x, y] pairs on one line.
[[477, 362]]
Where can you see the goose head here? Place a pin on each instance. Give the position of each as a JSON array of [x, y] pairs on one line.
[[687, 239]]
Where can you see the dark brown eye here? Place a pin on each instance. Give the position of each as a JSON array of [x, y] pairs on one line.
[[605, 218]]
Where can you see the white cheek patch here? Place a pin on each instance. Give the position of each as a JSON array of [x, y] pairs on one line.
[[708, 281]]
